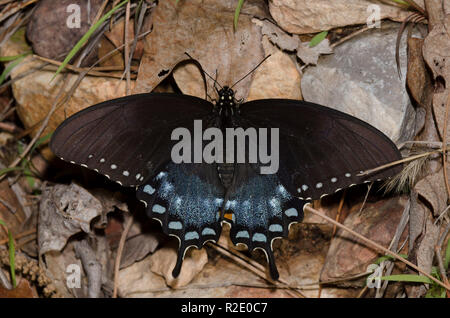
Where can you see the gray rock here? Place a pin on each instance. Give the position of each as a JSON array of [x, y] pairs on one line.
[[361, 79]]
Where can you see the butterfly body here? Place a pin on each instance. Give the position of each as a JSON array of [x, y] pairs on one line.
[[131, 140]]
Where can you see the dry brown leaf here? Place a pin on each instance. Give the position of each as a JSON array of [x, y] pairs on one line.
[[436, 52], [347, 256], [164, 259], [310, 55], [277, 77], [204, 29], [416, 77], [311, 16], [432, 189], [278, 36], [116, 36], [64, 211]]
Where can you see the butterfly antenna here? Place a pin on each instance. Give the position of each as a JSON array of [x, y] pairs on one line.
[[204, 72], [252, 70]]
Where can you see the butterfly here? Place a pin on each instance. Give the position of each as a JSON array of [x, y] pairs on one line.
[[131, 140]]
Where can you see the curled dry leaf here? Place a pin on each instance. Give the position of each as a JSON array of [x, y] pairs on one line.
[[292, 43], [416, 78], [204, 29], [277, 77], [436, 52], [347, 256], [164, 259], [310, 55], [311, 16], [64, 211], [139, 246], [432, 189]]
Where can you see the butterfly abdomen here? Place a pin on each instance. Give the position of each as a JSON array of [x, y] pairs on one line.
[[226, 173]]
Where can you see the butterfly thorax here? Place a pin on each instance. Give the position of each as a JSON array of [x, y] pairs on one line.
[[226, 105], [227, 108]]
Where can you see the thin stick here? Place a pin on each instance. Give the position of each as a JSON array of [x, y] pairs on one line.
[[338, 214], [127, 49], [123, 238], [394, 163], [437, 252], [12, 209], [255, 267], [375, 245], [18, 236], [348, 37]]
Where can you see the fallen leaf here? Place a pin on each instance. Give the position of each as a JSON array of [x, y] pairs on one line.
[[64, 211], [432, 189], [204, 29], [164, 259], [277, 77], [348, 256], [436, 53], [310, 55], [311, 16]]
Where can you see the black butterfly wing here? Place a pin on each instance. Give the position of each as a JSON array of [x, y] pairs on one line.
[[186, 199], [127, 139], [321, 150], [261, 210]]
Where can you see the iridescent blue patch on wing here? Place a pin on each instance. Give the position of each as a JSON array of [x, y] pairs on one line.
[[191, 236], [275, 228], [259, 237], [243, 234], [188, 197], [175, 225], [158, 209], [292, 212], [208, 231], [149, 189]]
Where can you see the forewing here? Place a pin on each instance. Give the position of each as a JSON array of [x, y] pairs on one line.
[[321, 150], [127, 139]]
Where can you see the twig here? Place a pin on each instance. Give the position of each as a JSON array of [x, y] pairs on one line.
[[127, 49], [18, 236], [119, 253], [338, 214], [5, 15], [12, 209], [394, 163], [374, 245], [437, 252], [255, 267], [348, 37]]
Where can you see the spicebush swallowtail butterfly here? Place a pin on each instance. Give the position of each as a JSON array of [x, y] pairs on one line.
[[129, 140]]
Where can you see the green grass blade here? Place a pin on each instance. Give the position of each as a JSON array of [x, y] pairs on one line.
[[86, 37], [12, 58], [237, 12], [8, 69], [6, 170], [388, 257], [408, 278], [401, 2], [318, 38], [12, 255]]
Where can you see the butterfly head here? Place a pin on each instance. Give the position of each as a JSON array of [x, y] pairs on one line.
[[226, 102]]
